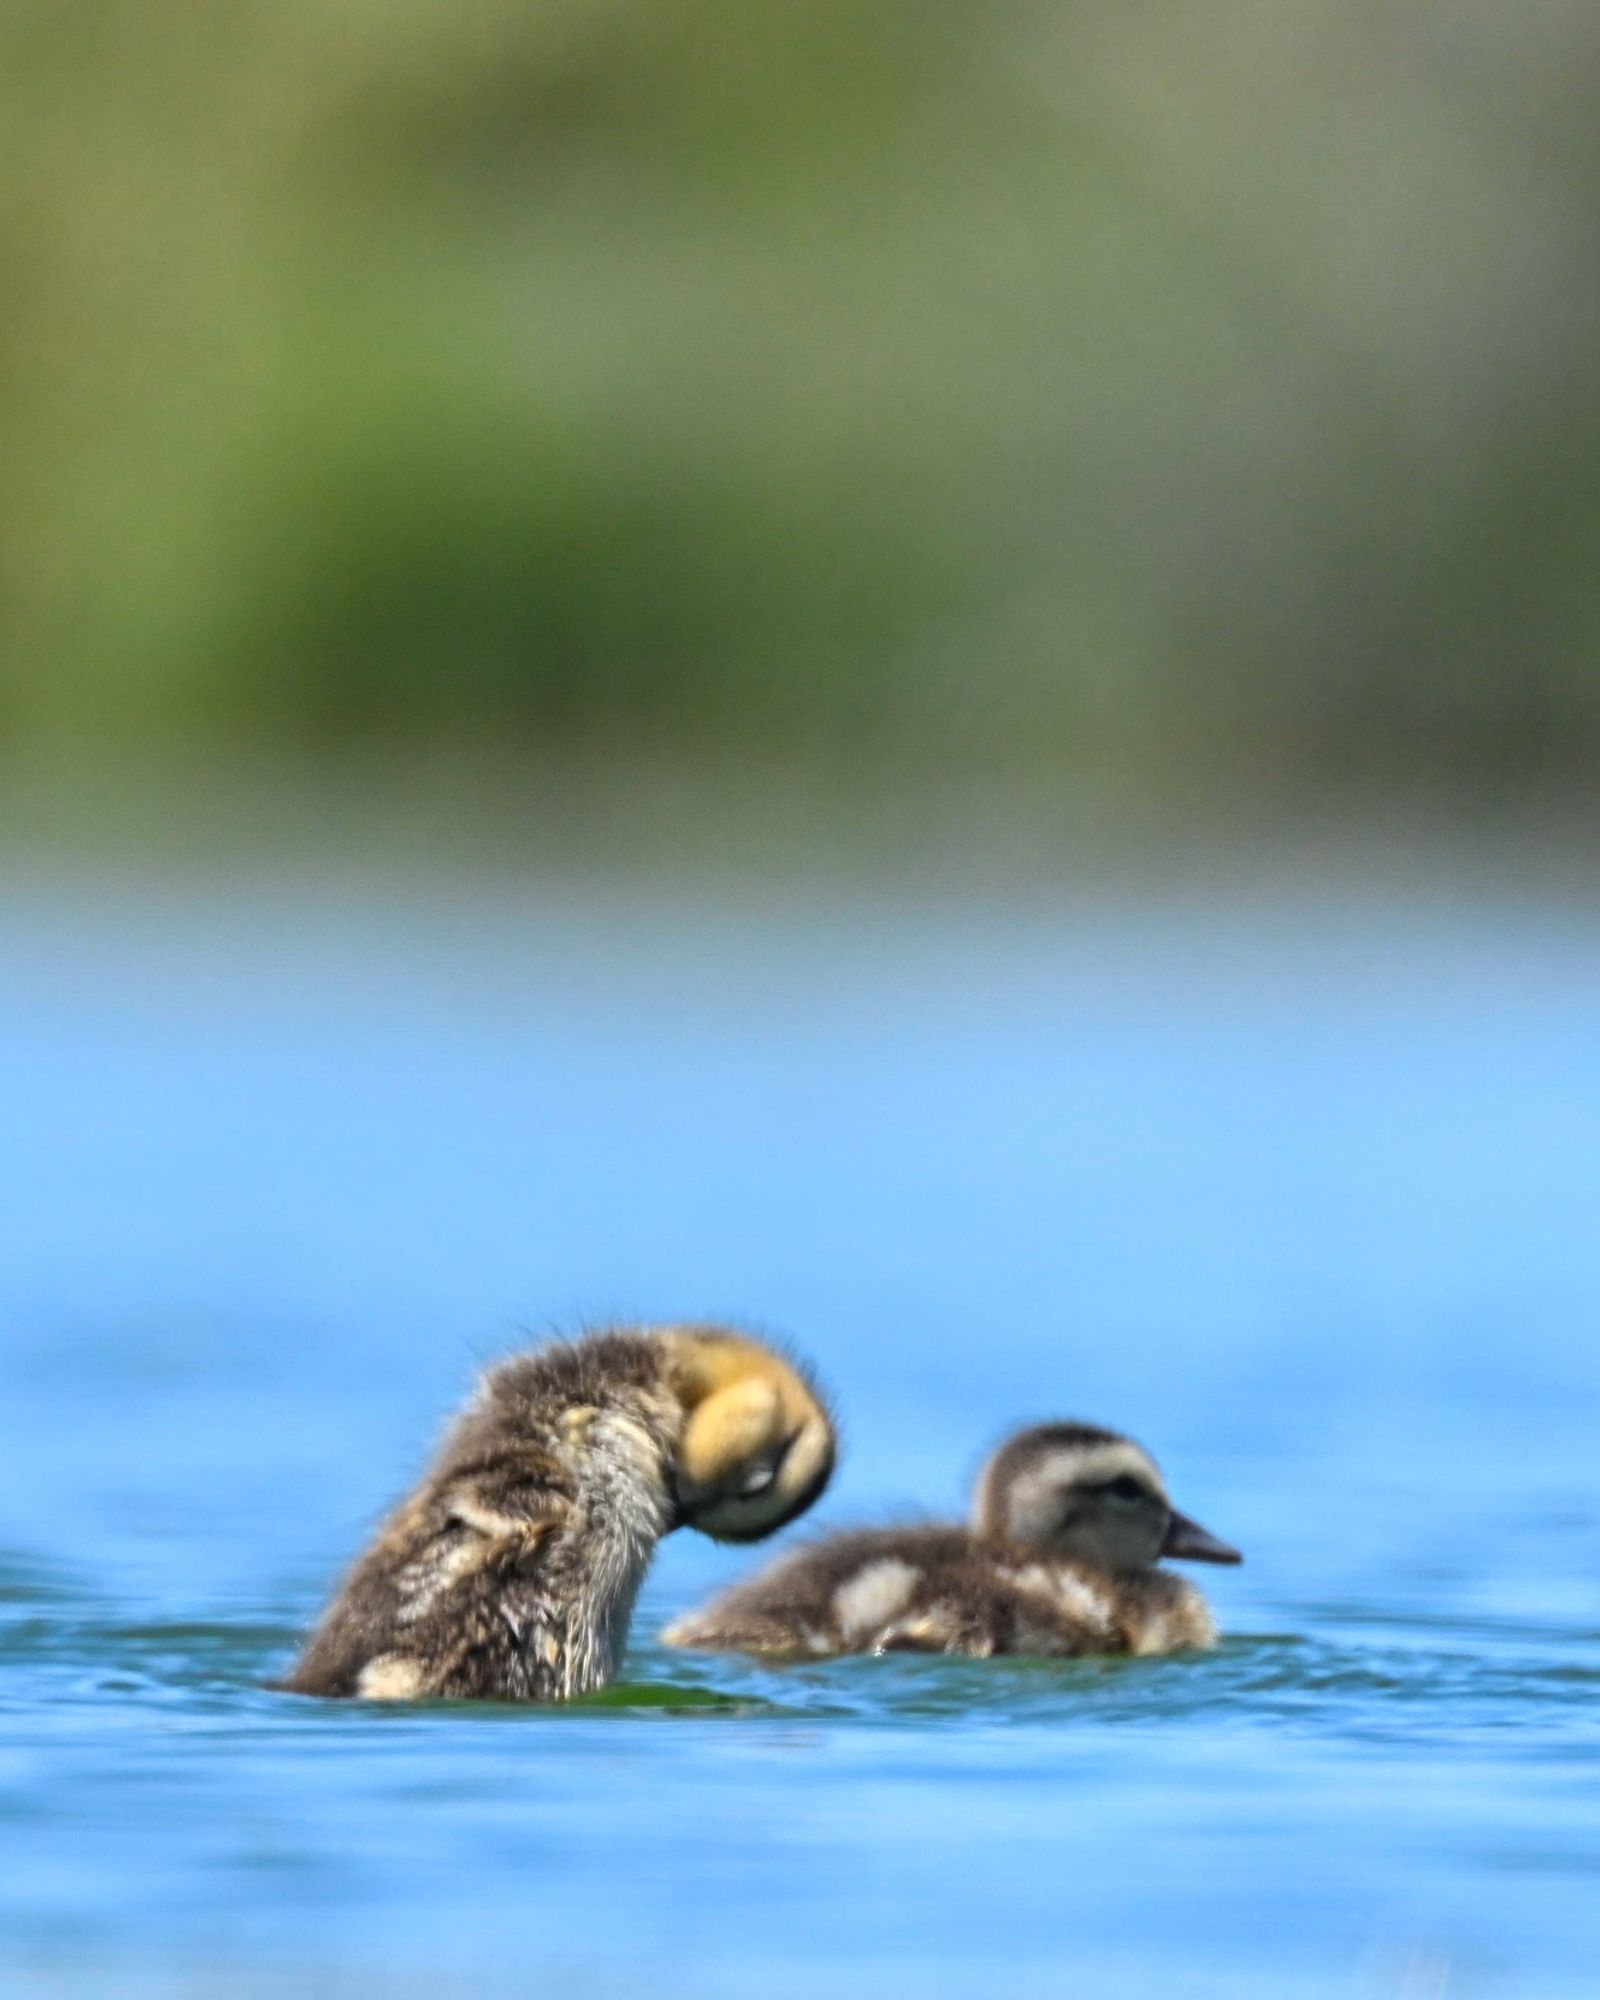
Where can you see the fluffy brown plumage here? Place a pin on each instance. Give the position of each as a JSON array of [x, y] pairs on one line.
[[511, 1571], [1070, 1522]]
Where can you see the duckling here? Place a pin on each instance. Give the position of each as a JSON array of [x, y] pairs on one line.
[[510, 1572], [1069, 1522]]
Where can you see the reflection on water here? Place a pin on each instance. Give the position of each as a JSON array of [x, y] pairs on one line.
[[1303, 1195]]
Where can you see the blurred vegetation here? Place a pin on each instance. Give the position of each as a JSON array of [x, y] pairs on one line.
[[1138, 394]]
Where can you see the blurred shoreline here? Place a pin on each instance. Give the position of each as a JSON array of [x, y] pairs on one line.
[[435, 820], [1056, 435]]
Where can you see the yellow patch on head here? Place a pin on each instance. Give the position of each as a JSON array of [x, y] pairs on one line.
[[757, 1446], [731, 1426]]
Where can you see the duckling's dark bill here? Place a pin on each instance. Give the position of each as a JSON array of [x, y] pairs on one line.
[[1189, 1542]]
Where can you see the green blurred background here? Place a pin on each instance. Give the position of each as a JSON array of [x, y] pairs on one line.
[[1160, 407]]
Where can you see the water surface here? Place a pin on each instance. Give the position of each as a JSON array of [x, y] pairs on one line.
[[1302, 1192]]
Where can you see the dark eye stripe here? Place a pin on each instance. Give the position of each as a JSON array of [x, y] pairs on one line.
[[1123, 1487]]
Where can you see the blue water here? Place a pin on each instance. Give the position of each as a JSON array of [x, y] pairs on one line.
[[1303, 1191]]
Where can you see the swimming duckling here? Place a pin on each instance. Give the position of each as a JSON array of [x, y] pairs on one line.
[[511, 1571], [1069, 1523]]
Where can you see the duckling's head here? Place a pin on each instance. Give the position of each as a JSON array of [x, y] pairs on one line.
[[757, 1444], [1091, 1495]]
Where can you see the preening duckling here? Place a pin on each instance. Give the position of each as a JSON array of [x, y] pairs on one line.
[[511, 1571], [1069, 1524]]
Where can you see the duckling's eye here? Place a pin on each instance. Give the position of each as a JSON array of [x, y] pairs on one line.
[[758, 1479], [1125, 1487]]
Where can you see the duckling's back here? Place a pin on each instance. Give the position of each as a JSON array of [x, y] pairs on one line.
[[833, 1596], [943, 1590]]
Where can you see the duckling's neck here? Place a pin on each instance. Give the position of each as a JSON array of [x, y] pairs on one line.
[[580, 1439], [621, 1509]]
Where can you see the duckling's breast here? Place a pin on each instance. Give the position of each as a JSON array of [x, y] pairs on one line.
[[1057, 1607], [1160, 1612]]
